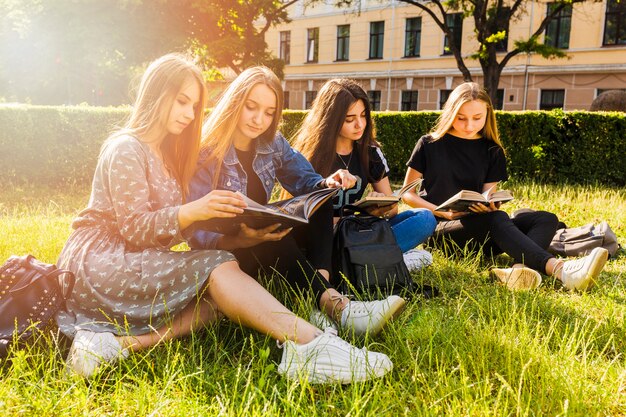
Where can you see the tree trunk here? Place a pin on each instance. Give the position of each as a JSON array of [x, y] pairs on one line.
[[491, 72]]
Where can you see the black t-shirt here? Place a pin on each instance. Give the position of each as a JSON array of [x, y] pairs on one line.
[[452, 164], [255, 189], [378, 169]]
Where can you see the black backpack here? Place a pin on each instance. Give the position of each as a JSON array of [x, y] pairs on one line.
[[367, 260], [31, 293]]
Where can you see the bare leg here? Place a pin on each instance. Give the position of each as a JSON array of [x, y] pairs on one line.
[[199, 313], [240, 298]]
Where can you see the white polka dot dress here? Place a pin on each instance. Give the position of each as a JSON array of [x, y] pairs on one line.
[[128, 281]]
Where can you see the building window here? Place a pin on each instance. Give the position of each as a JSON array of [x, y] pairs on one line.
[[343, 43], [374, 96], [285, 46], [615, 23], [312, 47], [552, 99], [377, 34], [443, 97], [557, 32], [409, 100], [285, 99], [412, 37], [309, 96], [602, 90], [455, 23]]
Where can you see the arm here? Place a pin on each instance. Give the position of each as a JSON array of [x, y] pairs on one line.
[[294, 172], [200, 188], [123, 169], [413, 199]]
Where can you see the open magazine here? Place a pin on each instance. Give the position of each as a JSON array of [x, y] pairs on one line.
[[465, 198], [289, 213], [385, 200]]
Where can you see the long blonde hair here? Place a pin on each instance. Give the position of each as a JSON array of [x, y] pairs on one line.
[[157, 91], [462, 94], [217, 133]]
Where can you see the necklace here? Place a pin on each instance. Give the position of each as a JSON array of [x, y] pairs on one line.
[[343, 161]]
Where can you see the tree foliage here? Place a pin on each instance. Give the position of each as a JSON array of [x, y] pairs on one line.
[[73, 51]]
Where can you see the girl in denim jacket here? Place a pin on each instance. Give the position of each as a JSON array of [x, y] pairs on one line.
[[242, 151]]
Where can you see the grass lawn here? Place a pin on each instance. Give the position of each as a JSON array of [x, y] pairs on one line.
[[478, 349]]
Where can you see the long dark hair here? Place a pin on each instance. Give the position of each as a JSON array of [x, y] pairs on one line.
[[317, 137]]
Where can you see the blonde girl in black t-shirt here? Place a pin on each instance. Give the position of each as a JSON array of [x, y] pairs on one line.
[[338, 133], [464, 152]]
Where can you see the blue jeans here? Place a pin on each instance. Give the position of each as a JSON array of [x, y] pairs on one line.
[[412, 227]]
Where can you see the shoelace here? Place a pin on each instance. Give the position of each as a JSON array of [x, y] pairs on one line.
[[327, 330]]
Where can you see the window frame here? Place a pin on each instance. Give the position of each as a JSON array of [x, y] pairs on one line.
[[618, 12], [308, 100], [413, 96], [343, 44], [412, 34], [377, 40], [551, 104], [562, 19], [284, 50], [374, 98], [312, 39], [457, 32]]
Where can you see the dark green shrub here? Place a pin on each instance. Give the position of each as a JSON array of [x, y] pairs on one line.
[[53, 145], [60, 145]]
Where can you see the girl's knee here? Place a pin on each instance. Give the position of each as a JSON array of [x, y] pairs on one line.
[[548, 218]]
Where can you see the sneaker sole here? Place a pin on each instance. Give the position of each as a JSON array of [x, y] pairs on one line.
[[394, 311], [326, 375], [600, 256], [518, 278]]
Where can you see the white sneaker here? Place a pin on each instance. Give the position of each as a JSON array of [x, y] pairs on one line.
[[328, 359], [89, 350], [580, 274], [363, 317], [321, 320], [518, 278], [416, 259]]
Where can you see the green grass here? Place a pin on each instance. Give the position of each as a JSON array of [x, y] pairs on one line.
[[476, 350]]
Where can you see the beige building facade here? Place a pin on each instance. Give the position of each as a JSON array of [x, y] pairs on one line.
[[398, 54]]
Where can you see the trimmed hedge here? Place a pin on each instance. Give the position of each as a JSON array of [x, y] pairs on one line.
[[60, 145], [53, 145]]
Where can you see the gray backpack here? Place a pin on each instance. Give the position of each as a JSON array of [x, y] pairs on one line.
[[579, 241]]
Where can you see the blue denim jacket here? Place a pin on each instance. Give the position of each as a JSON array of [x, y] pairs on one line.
[[274, 160]]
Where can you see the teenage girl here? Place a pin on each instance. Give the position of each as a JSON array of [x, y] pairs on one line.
[[464, 152], [338, 133], [132, 291], [241, 151]]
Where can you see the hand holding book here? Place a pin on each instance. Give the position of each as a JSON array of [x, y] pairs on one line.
[[385, 200], [464, 199]]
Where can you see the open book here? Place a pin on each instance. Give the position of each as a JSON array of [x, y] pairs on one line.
[[289, 213], [465, 198], [385, 200]]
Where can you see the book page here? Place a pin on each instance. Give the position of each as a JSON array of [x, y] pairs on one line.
[[487, 193], [413, 184]]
